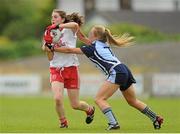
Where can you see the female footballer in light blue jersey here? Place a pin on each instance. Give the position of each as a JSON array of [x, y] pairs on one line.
[[119, 76]]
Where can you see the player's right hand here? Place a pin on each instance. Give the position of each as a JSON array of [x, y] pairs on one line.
[[48, 38], [50, 47], [47, 35]]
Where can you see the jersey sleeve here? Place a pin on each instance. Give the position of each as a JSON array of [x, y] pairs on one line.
[[87, 50]]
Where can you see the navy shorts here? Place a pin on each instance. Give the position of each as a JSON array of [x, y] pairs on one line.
[[122, 76]]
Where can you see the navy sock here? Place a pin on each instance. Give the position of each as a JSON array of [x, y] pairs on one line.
[[149, 113]]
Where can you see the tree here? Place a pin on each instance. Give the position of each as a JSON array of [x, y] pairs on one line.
[[21, 19]]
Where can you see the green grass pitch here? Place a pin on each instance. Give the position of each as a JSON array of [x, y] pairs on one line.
[[37, 114]]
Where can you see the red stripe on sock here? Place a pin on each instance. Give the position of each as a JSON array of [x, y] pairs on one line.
[[89, 111]]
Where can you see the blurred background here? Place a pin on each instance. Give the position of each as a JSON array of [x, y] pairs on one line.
[[154, 59]]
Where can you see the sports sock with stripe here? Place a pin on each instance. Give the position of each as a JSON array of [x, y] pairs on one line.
[[149, 113], [110, 116], [63, 120], [89, 111]]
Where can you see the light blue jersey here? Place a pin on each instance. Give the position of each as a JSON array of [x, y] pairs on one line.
[[100, 54], [118, 73]]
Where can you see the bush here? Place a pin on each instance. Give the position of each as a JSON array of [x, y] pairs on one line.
[[25, 48], [21, 19], [29, 47], [6, 48], [141, 33], [19, 30]]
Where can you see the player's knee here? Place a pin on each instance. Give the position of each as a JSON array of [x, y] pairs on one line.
[[75, 105], [98, 101], [58, 100], [131, 102]]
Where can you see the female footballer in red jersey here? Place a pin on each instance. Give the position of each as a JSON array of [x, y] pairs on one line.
[[64, 67], [118, 74]]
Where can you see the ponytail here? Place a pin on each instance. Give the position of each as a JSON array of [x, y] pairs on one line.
[[119, 41], [105, 35]]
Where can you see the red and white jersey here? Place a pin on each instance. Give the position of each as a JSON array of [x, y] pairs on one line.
[[68, 39]]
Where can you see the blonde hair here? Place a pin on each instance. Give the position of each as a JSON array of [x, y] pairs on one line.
[[105, 35]]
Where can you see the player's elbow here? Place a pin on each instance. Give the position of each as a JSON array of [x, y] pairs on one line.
[[76, 25], [50, 58]]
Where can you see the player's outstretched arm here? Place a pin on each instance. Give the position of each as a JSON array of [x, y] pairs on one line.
[[83, 38], [71, 25], [68, 50]]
